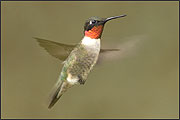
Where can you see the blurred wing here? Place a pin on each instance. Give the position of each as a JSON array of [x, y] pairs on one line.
[[108, 50], [107, 54], [58, 50], [104, 54], [62, 51], [128, 48]]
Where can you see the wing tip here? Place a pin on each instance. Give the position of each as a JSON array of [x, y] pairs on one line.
[[36, 38], [39, 39]]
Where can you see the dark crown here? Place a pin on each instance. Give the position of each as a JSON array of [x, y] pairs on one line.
[[93, 21]]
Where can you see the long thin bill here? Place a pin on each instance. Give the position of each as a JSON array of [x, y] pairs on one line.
[[110, 18]]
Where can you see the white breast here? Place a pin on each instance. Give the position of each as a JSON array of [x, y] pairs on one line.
[[89, 42]]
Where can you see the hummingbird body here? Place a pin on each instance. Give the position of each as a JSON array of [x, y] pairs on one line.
[[78, 65], [81, 59]]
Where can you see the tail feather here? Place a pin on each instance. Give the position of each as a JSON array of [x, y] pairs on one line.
[[54, 100], [55, 95]]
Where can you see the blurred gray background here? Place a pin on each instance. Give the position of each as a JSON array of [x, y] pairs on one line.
[[144, 84]]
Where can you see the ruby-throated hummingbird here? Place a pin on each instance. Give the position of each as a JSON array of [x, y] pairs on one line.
[[78, 59]]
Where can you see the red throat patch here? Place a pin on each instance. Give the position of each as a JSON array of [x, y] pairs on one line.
[[95, 32]]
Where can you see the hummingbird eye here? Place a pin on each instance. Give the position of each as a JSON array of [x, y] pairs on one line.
[[92, 22]]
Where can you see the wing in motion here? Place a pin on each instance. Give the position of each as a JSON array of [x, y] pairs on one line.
[[62, 51], [58, 50], [128, 48]]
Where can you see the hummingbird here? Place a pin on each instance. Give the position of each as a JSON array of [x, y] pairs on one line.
[[78, 60]]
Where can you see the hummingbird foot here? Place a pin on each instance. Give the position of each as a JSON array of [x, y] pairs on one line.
[[81, 81]]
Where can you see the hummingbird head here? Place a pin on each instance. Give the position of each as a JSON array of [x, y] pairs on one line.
[[94, 26]]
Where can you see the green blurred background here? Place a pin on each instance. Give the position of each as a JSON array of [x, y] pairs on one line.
[[142, 85]]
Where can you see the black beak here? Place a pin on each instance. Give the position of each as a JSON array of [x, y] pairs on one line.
[[110, 18]]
